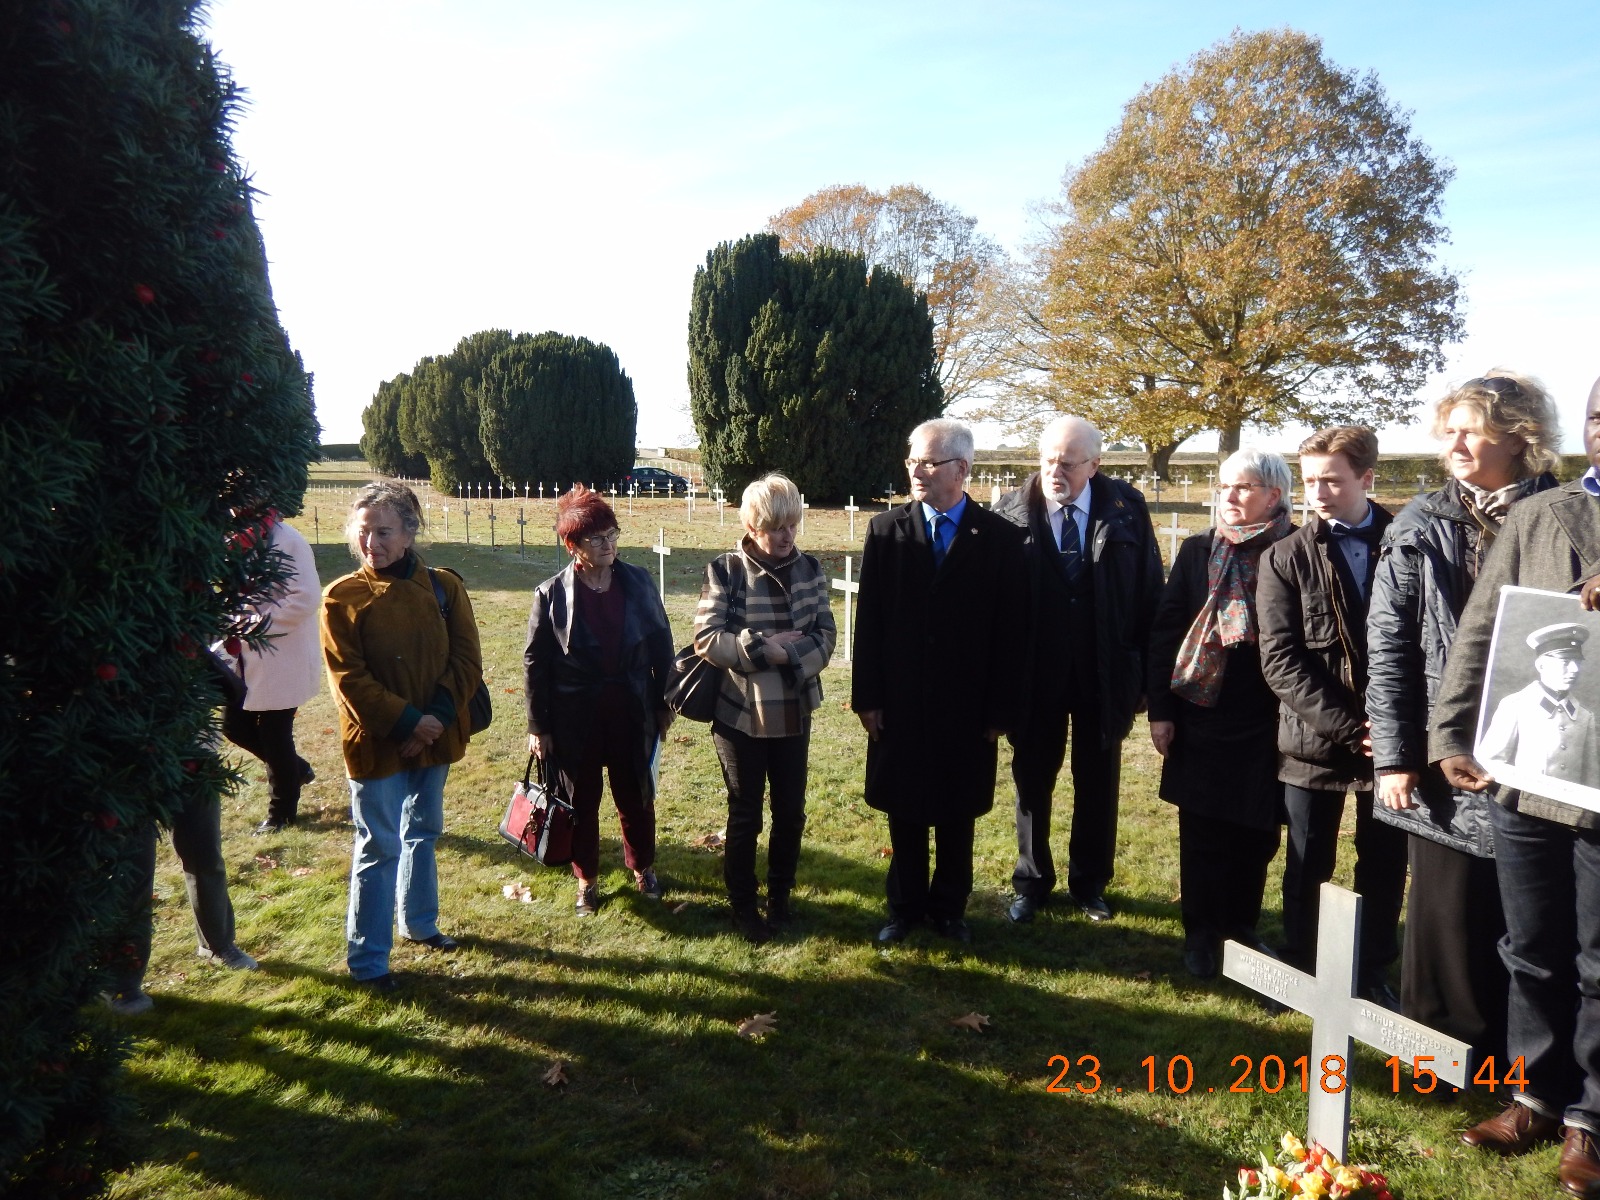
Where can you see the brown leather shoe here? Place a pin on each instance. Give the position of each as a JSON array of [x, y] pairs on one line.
[[1515, 1131], [1579, 1170]]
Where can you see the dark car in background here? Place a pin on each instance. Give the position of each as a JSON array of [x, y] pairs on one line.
[[655, 481]]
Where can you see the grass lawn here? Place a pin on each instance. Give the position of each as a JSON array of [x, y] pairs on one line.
[[290, 1082]]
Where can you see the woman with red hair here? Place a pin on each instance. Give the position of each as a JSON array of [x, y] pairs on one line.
[[598, 655]]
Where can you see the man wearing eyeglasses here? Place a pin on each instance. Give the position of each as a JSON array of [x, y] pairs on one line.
[[1094, 577], [941, 597]]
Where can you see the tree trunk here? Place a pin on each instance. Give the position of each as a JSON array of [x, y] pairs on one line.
[[1160, 460], [1228, 439]]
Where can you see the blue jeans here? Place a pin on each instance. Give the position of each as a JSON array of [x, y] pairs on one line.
[[392, 874], [1550, 888]]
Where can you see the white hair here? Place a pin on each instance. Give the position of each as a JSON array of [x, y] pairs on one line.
[[1271, 469], [1075, 429], [950, 436]]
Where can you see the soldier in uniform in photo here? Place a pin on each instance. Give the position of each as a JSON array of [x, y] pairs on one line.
[[1542, 727]]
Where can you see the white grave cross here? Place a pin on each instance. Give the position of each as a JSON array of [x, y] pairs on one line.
[[661, 550], [849, 588], [852, 508], [1174, 532], [803, 507], [1339, 1017]]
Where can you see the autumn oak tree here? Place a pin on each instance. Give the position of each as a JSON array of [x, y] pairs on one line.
[[1254, 244], [931, 245]]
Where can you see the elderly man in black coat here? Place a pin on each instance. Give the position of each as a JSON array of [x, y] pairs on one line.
[[936, 654], [1094, 579]]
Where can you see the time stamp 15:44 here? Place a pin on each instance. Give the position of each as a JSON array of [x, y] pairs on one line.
[[1271, 1074]]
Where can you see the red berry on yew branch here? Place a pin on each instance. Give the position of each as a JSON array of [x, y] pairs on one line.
[[144, 294]]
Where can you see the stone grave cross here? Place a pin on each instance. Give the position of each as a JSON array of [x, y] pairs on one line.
[[1339, 1017], [849, 587], [661, 550]]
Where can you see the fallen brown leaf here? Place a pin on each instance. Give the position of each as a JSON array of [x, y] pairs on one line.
[[266, 862], [974, 1021], [300, 872], [683, 739], [1427, 1152], [1142, 976], [886, 852], [518, 891], [759, 1025], [708, 841], [556, 1076], [678, 908]]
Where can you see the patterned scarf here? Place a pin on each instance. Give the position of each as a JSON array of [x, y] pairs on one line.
[[1228, 617]]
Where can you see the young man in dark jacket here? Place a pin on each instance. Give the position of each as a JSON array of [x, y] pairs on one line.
[[1094, 577], [1312, 606]]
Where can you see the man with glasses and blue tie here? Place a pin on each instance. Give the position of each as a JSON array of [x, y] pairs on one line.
[[1094, 578], [936, 656], [1311, 600]]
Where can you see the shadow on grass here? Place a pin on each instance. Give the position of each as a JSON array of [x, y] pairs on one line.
[[864, 1090]]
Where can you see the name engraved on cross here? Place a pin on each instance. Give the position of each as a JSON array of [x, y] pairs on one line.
[[1339, 1017], [661, 550], [849, 588]]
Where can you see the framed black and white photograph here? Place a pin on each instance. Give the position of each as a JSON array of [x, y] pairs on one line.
[[1537, 727]]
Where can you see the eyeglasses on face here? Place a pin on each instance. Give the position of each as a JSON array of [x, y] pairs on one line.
[[928, 464], [601, 540], [1062, 464], [1246, 488]]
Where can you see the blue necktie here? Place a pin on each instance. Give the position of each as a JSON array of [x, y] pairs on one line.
[[1071, 546], [940, 524]]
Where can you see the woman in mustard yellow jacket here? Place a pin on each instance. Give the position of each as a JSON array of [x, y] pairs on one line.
[[401, 648]]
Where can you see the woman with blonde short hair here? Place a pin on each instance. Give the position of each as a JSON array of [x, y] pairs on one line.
[[1497, 436], [764, 616]]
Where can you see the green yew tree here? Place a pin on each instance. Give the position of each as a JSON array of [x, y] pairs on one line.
[[151, 409], [557, 409], [380, 443], [438, 416], [807, 364]]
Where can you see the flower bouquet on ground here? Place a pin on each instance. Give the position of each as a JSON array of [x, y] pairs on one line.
[[1303, 1170]]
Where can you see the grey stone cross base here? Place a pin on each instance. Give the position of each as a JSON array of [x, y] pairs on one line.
[[1339, 1017]]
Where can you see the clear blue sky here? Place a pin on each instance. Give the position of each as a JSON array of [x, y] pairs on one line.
[[430, 169]]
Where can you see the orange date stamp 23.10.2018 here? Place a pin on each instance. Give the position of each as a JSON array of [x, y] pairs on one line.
[[1271, 1074]]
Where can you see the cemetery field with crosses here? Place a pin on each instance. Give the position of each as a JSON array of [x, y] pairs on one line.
[[615, 1057]]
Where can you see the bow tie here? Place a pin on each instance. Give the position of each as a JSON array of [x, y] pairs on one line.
[[1370, 534]]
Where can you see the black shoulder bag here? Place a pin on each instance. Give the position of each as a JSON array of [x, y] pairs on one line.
[[694, 683], [479, 710]]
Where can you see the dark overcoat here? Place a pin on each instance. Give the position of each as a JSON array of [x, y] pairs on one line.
[[940, 653], [1125, 574], [564, 676], [1422, 583]]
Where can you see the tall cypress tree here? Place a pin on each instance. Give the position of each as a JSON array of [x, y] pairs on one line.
[[809, 365], [381, 445], [150, 410], [558, 409], [438, 415]]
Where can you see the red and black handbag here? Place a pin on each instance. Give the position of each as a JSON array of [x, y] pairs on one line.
[[539, 821]]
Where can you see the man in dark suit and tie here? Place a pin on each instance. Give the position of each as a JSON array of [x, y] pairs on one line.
[[1094, 578], [1311, 600], [942, 596]]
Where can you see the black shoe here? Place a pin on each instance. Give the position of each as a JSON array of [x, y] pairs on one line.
[[1249, 939], [1200, 961], [752, 927], [1022, 909], [955, 929], [1381, 994], [897, 930], [1095, 908], [268, 827], [307, 775], [382, 984], [439, 941], [779, 914]]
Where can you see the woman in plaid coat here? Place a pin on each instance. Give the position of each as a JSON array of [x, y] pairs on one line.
[[764, 617]]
